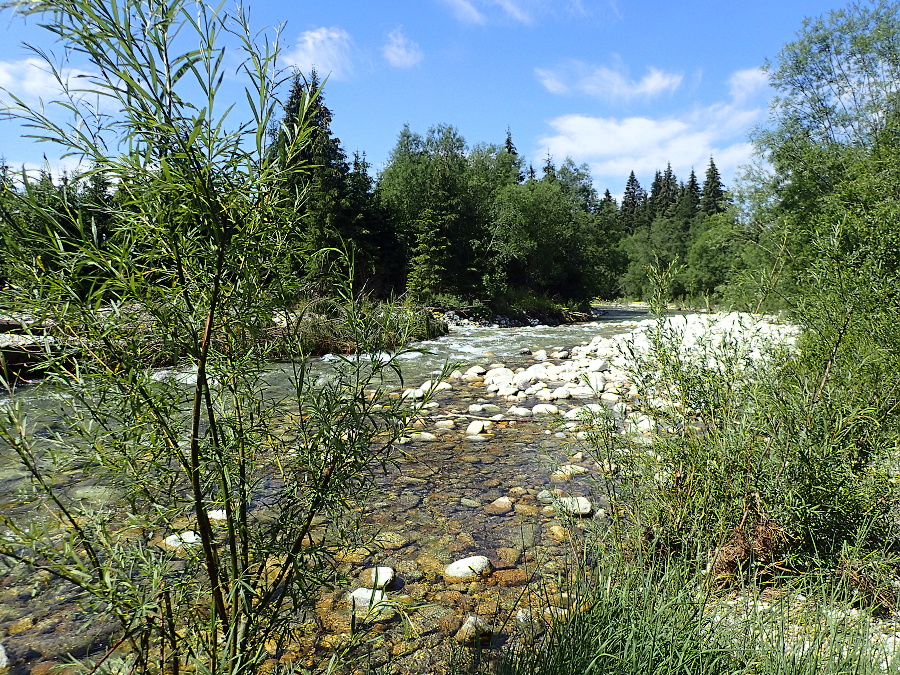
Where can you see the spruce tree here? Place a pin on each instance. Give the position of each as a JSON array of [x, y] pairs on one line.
[[663, 194], [714, 199], [510, 149], [549, 170], [687, 206], [633, 204], [654, 195], [327, 220], [508, 145]]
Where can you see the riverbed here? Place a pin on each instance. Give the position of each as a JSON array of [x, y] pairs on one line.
[[497, 490]]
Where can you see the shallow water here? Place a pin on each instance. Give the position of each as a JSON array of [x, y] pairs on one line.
[[431, 506]]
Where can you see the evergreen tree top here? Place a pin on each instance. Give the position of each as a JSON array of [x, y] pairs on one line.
[[714, 199], [508, 145], [549, 169]]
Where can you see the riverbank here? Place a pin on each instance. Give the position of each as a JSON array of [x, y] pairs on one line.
[[312, 329], [500, 473], [540, 312]]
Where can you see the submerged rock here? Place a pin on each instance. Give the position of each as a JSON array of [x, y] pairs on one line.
[[366, 597], [377, 577], [574, 506], [477, 426], [520, 411], [177, 541], [500, 506], [474, 629], [467, 569], [566, 471]]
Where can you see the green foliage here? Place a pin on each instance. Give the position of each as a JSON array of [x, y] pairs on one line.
[[833, 129], [60, 216], [762, 466], [765, 467], [337, 209], [715, 254], [544, 240], [684, 222], [428, 267], [714, 199], [431, 174], [469, 227], [192, 261], [627, 619]]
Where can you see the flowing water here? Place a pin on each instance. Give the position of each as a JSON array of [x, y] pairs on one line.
[[435, 505]]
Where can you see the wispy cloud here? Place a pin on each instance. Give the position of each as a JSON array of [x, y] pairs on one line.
[[31, 80], [515, 10], [521, 11], [610, 83], [465, 11], [615, 146], [551, 80], [328, 50], [400, 51], [746, 83]]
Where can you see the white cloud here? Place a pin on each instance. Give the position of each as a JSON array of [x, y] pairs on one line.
[[608, 83], [514, 10], [465, 11], [31, 80], [613, 146], [400, 51], [328, 50], [746, 83], [522, 11], [551, 81]]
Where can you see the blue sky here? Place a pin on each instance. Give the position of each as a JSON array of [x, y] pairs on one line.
[[621, 85]]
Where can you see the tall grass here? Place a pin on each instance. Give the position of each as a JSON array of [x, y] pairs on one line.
[[664, 619]]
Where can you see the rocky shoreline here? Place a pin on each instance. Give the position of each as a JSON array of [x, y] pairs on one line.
[[461, 318], [486, 508], [491, 498]]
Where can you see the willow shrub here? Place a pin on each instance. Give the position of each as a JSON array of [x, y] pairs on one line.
[[761, 466], [250, 493]]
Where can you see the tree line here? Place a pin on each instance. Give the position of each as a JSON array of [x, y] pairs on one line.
[[454, 225], [451, 224]]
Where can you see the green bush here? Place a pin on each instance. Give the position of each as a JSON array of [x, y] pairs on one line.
[[224, 507], [762, 465]]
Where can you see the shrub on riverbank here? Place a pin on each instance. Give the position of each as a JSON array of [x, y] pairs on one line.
[[324, 326], [752, 519], [513, 308], [759, 465], [216, 512]]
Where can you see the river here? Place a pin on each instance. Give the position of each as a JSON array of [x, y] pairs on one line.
[[437, 503]]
